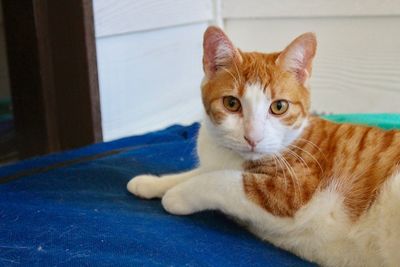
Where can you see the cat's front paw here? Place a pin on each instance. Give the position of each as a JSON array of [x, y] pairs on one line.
[[175, 203], [144, 186]]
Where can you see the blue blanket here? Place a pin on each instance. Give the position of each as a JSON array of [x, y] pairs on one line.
[[72, 209]]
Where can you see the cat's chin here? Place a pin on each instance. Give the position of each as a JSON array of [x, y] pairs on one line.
[[252, 155]]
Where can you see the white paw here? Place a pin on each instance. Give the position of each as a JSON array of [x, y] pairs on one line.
[[174, 202], [144, 186]]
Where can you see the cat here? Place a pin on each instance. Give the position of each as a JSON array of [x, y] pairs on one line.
[[328, 192]]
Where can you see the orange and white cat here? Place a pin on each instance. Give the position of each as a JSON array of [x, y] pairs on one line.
[[328, 192]]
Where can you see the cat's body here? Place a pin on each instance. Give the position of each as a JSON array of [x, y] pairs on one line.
[[328, 192], [323, 230]]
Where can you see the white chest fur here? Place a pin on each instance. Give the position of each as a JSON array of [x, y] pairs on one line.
[[213, 156]]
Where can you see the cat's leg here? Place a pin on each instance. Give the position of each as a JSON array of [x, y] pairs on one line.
[[219, 190], [150, 186]]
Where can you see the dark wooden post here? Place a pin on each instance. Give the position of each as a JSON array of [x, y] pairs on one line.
[[53, 74]]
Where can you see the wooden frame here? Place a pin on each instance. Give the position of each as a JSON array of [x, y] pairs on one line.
[[53, 74]]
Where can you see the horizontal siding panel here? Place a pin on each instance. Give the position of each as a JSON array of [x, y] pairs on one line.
[[150, 80], [123, 16], [357, 64], [352, 83], [308, 8]]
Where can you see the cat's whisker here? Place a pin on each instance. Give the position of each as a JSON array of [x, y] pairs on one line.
[[283, 170], [293, 177], [314, 145], [287, 177], [290, 172], [303, 162], [309, 154]]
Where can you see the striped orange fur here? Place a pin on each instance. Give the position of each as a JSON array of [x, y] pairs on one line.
[[355, 160]]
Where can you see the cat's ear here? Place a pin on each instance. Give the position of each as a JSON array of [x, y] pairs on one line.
[[298, 56], [218, 51]]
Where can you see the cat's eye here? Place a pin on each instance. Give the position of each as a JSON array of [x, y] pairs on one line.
[[279, 107], [231, 103]]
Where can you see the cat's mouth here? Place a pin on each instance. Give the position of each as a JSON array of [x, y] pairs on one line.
[[248, 152], [257, 152]]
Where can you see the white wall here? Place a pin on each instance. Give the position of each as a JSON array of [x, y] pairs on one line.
[[149, 54], [357, 67], [150, 80], [149, 60]]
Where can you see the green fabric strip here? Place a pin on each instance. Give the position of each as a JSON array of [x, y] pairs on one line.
[[386, 121]]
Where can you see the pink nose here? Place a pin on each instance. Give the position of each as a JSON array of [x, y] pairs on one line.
[[251, 141]]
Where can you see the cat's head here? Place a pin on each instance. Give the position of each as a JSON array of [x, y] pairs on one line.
[[256, 103]]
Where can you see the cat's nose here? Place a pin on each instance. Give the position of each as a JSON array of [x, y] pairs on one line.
[[251, 141]]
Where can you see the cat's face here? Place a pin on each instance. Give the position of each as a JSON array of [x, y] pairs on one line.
[[257, 104]]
